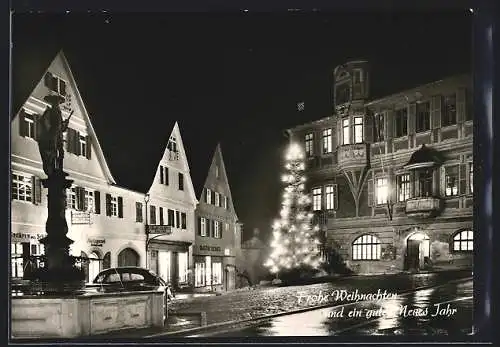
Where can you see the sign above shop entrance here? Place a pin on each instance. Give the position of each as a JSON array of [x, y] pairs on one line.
[[210, 248], [96, 242], [160, 229], [25, 237]]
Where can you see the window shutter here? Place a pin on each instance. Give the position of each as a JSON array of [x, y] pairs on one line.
[[371, 195], [368, 131], [461, 105], [463, 178], [212, 228], [70, 144], [76, 143], [48, 80], [161, 174], [412, 118], [36, 127], [166, 175], [97, 202], [177, 219], [220, 229], [36, 188], [161, 215], [88, 147], [108, 204], [152, 214], [120, 207], [212, 197], [436, 111], [23, 127], [199, 226], [80, 198], [205, 191], [335, 197]]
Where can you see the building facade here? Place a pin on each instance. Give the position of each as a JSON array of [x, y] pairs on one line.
[[100, 215], [217, 231], [170, 204], [391, 179]]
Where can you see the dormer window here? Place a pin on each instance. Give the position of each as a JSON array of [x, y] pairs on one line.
[[55, 83]]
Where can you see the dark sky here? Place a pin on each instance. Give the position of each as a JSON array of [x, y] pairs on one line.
[[233, 79]]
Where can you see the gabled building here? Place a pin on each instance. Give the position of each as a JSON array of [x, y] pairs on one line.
[[391, 178], [217, 231], [170, 204], [101, 216]]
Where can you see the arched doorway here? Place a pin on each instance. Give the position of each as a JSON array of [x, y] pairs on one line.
[[417, 250], [94, 265], [128, 257]]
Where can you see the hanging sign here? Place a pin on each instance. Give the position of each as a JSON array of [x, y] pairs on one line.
[[96, 242], [160, 229]]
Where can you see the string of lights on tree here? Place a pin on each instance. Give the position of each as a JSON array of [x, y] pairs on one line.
[[294, 244]]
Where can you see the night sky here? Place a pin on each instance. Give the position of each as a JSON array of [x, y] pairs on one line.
[[233, 79]]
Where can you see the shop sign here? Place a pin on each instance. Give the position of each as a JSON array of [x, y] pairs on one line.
[[160, 229], [25, 237], [210, 248], [96, 242]]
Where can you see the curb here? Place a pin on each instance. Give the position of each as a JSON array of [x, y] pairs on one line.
[[301, 310]]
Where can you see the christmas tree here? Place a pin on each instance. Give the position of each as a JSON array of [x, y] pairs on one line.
[[294, 245]]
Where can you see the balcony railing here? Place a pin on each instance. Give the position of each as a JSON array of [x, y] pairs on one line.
[[423, 207], [354, 155]]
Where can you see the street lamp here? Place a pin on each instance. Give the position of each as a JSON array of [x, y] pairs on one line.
[[146, 200]]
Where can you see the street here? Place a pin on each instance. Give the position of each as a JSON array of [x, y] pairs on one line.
[[441, 310]]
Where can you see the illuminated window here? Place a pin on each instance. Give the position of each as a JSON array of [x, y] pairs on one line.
[[203, 226], [217, 229], [401, 122], [358, 129], [89, 200], [379, 128], [403, 187], [366, 247], [317, 199], [27, 126], [217, 199], [309, 144], [208, 196], [217, 171], [21, 187], [183, 267], [463, 241], [199, 274], [217, 273], [345, 131], [330, 193], [381, 190], [451, 180], [327, 141], [225, 203]]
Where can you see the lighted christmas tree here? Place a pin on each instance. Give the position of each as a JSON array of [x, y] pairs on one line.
[[294, 244]]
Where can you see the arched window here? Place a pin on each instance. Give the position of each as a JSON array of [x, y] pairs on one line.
[[463, 241], [128, 257], [366, 247], [106, 261]]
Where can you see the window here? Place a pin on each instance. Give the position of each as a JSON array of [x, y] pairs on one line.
[[471, 177], [463, 241], [327, 141], [381, 190], [16, 252], [27, 126], [217, 171], [345, 131], [183, 221], [217, 273], [309, 144], [152, 214], [449, 116], [138, 212], [423, 122], [358, 129], [217, 199], [366, 247], [331, 192], [83, 144], [171, 217], [423, 183], [451, 180], [199, 274], [88, 200], [217, 229], [172, 149], [203, 226], [225, 203], [21, 187], [71, 200], [183, 267], [401, 122], [343, 94], [208, 196], [403, 182], [181, 181], [55, 83], [316, 199], [379, 128], [164, 175]]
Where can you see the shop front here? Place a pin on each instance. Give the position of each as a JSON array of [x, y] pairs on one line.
[[170, 260], [24, 246], [214, 268]]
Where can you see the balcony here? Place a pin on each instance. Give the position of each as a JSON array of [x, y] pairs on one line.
[[423, 207], [353, 156]]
